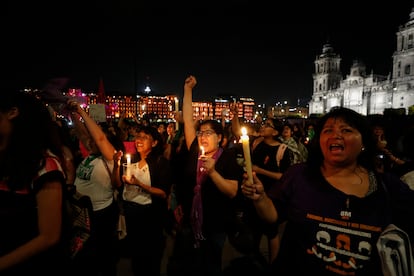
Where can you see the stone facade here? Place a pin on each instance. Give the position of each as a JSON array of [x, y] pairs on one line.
[[366, 93]]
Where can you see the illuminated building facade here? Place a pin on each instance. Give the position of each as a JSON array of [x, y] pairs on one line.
[[163, 108], [280, 111], [366, 93]]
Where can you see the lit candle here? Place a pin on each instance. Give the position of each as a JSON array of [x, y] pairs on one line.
[[177, 115], [246, 152], [128, 165], [176, 104], [202, 150]]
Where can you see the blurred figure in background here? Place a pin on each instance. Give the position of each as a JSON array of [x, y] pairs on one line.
[[94, 179], [31, 189]]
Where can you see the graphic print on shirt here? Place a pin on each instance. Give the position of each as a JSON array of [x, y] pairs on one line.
[[85, 168], [343, 246], [84, 171], [135, 193]]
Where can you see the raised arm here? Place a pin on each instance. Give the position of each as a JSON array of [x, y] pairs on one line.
[[95, 131], [235, 122], [189, 128], [80, 130], [116, 175]]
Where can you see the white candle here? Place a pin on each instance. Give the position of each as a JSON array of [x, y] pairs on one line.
[[177, 115], [202, 150], [176, 104], [127, 168], [246, 151]]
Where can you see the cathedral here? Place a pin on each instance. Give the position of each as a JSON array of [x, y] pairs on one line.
[[365, 93]]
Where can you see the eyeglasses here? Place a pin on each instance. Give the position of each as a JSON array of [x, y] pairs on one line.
[[206, 133]]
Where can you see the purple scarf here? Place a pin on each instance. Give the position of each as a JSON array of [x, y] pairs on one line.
[[197, 208]]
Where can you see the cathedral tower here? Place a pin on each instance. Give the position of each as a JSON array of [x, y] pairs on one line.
[[403, 65], [327, 77]]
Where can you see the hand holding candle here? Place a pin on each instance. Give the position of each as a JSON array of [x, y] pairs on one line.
[[202, 157], [246, 152]]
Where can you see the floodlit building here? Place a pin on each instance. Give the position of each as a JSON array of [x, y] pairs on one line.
[[366, 93]]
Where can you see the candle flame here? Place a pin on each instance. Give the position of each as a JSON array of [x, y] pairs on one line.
[[244, 131]]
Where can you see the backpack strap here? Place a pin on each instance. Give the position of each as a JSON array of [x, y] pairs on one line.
[[280, 152]]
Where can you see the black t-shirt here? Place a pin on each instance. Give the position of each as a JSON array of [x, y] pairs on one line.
[[332, 233], [264, 156], [217, 207]]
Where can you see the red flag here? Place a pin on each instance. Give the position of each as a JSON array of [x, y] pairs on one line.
[[101, 93]]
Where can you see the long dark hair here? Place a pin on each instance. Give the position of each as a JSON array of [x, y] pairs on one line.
[[355, 120], [30, 137]]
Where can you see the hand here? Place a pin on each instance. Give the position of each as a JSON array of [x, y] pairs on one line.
[[73, 105], [117, 158], [132, 180], [253, 191], [190, 82], [126, 180], [225, 112], [135, 181], [234, 109], [208, 163]]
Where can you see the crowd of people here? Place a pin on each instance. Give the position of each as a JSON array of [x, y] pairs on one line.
[[316, 194]]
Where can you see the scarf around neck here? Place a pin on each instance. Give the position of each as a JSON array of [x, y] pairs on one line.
[[197, 207]]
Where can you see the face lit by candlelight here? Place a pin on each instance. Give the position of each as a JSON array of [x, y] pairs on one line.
[[208, 138]]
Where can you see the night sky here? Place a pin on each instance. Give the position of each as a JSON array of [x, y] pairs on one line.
[[265, 50]]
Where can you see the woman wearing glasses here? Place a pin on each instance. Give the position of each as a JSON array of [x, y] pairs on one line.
[[212, 177]]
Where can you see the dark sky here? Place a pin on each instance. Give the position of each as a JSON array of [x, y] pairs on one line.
[[263, 49]]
